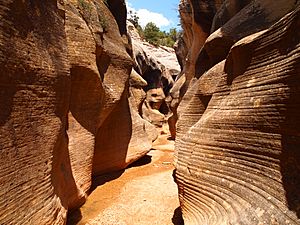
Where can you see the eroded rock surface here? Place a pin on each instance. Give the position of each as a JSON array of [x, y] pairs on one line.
[[34, 102], [68, 103], [238, 126], [159, 67]]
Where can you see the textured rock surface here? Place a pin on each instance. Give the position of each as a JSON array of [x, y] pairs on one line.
[[159, 67], [238, 156], [150, 58], [228, 23], [100, 68], [247, 17], [152, 106], [34, 94], [64, 82], [196, 19]]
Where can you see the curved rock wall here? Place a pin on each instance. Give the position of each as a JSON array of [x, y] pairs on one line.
[[238, 128], [35, 91], [66, 105]]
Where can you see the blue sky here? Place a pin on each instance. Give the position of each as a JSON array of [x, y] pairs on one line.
[[162, 12]]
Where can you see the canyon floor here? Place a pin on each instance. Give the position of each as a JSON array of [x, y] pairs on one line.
[[143, 194]]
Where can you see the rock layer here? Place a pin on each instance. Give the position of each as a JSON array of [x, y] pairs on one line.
[[238, 160], [65, 86], [34, 99]]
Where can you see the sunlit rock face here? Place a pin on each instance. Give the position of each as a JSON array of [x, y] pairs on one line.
[[35, 89], [237, 159], [196, 19], [68, 103], [159, 67]]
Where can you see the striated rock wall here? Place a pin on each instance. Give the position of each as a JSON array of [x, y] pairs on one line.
[[67, 104], [34, 102], [196, 19], [238, 134]]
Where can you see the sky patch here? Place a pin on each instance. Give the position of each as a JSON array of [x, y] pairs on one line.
[[161, 12]]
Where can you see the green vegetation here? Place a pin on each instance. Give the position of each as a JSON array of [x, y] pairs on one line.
[[103, 23], [84, 5], [155, 36], [134, 19], [85, 9], [152, 34]]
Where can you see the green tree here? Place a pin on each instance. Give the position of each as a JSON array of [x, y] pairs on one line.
[[173, 34], [155, 36], [152, 34], [134, 19], [169, 38]]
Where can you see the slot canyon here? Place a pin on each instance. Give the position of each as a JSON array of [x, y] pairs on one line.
[[98, 126]]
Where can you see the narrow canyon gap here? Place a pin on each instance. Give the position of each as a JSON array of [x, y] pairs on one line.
[[83, 96]]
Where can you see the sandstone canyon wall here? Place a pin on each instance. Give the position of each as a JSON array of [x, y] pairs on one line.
[[68, 104], [159, 67], [238, 137]]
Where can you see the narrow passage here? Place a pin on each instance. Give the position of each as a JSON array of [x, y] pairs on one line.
[[143, 194]]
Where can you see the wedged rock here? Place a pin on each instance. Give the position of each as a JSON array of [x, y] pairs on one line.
[[34, 95], [173, 101], [152, 106], [239, 162]]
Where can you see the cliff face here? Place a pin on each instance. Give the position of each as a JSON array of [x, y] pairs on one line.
[[35, 91], [159, 67], [67, 109], [238, 128]]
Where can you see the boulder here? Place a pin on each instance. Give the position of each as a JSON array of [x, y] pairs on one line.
[[152, 107]]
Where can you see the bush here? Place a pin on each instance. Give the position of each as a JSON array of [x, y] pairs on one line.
[[152, 34], [84, 5], [156, 37], [85, 8]]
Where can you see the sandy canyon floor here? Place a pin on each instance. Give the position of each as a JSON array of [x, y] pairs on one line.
[[143, 194]]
